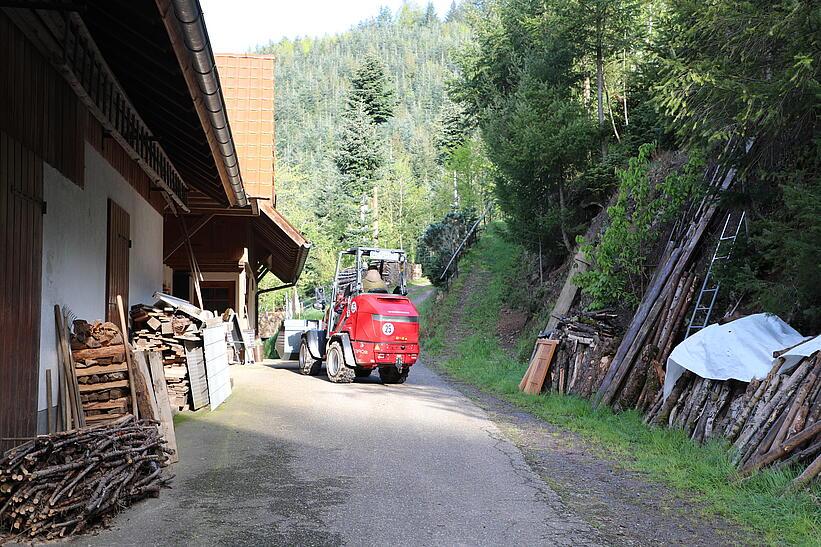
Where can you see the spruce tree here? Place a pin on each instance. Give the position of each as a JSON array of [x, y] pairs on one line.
[[371, 89], [359, 157], [358, 160]]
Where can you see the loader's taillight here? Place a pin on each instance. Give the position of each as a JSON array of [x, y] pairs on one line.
[[381, 356]]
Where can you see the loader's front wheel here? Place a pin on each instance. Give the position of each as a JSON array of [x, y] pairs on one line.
[[338, 373], [390, 375], [307, 364]]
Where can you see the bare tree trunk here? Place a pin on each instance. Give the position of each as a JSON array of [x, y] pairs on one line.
[[375, 207], [610, 110], [565, 237], [600, 86], [600, 82], [624, 72]]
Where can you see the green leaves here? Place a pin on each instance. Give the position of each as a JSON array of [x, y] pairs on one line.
[[619, 259]]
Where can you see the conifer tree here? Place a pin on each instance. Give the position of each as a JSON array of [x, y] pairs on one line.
[[360, 157], [371, 89], [358, 160]]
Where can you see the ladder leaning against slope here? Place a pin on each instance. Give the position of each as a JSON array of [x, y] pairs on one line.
[[709, 288]]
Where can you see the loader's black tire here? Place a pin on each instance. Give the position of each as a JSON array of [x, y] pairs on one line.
[[307, 364], [362, 372], [389, 375], [338, 373]]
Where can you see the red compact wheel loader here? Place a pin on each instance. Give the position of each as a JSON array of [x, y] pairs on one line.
[[367, 326]]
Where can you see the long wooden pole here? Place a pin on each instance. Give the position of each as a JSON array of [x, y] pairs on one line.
[[124, 332], [49, 402], [70, 376]]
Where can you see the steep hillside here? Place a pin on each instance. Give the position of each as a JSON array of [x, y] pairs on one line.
[[465, 332]]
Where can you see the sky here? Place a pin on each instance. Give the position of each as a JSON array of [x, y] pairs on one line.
[[238, 26]]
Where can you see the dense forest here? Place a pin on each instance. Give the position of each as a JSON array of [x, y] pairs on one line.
[[561, 112], [406, 58], [619, 105]]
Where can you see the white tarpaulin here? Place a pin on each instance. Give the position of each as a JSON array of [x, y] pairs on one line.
[[741, 350], [797, 354]]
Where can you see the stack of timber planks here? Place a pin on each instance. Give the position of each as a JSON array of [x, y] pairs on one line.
[[178, 337], [586, 342], [101, 369]]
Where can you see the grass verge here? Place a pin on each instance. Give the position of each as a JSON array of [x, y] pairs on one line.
[[460, 333]]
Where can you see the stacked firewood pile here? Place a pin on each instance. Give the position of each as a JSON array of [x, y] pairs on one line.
[[101, 369], [779, 420], [703, 408], [774, 421], [167, 330], [61, 484], [587, 343]]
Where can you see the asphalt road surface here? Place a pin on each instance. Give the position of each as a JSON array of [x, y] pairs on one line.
[[296, 460]]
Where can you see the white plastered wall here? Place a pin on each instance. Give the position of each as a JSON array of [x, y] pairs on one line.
[[74, 250]]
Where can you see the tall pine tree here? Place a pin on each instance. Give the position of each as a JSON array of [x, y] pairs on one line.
[[360, 156], [371, 89]]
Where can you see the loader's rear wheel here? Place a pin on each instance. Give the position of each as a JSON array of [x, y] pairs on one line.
[[362, 372], [338, 373], [389, 375], [307, 364]]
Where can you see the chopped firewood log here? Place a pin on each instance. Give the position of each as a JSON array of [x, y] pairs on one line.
[[115, 352], [61, 484]]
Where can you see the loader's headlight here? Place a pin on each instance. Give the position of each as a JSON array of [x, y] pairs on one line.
[[387, 329]]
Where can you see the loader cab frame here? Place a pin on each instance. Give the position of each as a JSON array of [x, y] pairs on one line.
[[361, 256]]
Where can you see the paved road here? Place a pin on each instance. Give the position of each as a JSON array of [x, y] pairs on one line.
[[297, 460]]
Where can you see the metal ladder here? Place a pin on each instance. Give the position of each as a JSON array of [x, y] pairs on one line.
[[709, 288]]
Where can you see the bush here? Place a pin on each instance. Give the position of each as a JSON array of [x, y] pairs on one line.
[[619, 269], [440, 241]]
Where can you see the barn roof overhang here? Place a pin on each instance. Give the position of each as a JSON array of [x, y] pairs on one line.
[[274, 244], [279, 247], [160, 53]]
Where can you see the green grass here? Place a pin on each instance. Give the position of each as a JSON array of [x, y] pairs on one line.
[[664, 455], [309, 314]]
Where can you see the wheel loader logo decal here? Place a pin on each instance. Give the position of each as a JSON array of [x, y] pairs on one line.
[[387, 329]]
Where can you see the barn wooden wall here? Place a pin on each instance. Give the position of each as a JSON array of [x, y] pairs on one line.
[[37, 106], [21, 240]]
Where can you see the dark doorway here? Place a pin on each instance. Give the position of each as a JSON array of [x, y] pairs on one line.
[[181, 285], [119, 244]]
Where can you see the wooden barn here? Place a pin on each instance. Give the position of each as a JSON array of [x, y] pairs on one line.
[[115, 150]]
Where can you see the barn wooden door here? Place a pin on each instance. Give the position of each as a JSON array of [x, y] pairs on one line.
[[21, 246], [119, 242]]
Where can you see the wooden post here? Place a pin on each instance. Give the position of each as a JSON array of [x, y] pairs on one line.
[[49, 402], [166, 418], [62, 383], [124, 332], [146, 398], [68, 369]]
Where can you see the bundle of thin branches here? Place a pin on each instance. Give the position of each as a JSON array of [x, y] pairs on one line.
[[58, 485]]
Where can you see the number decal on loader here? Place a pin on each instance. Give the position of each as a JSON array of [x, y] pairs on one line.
[[387, 329]]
